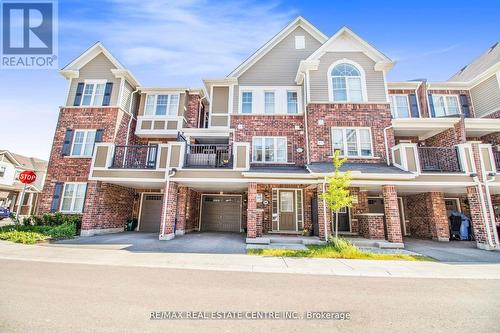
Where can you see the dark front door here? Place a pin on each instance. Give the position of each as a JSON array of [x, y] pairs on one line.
[[287, 221], [343, 220], [314, 214]]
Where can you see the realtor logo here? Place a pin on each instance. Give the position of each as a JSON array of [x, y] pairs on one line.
[[29, 39]]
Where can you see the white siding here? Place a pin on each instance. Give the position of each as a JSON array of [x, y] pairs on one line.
[[486, 97], [127, 94], [374, 79]]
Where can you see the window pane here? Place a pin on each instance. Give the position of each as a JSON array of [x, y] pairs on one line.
[[78, 143], [355, 93], [439, 109], [66, 204], [79, 197], [69, 191], [286, 201], [292, 106], [150, 102], [338, 140], [246, 102], [281, 150], [89, 143], [339, 89], [174, 105], [402, 108], [257, 149], [453, 108], [161, 105], [365, 142], [352, 142], [99, 94], [269, 102], [87, 94], [269, 150], [345, 70]]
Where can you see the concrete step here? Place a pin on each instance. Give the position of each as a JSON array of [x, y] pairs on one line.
[[285, 240], [287, 246]]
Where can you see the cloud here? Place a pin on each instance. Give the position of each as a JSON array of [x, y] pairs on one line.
[[182, 42], [412, 55]]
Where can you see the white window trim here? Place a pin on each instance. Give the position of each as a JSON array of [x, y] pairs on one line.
[[72, 211], [275, 149], [446, 105], [358, 142], [297, 103], [253, 101], [395, 116], [363, 81], [94, 82], [280, 100], [155, 103], [274, 101], [86, 131]]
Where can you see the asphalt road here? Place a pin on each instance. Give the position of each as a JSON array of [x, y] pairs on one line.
[[50, 297]]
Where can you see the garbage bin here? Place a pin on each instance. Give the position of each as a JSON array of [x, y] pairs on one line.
[[131, 224]]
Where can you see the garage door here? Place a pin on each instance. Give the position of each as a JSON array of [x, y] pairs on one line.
[[221, 213], [151, 212]]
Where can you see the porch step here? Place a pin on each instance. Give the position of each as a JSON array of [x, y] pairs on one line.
[[287, 246], [285, 240], [289, 240]]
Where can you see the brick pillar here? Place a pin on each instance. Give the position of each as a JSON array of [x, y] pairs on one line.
[[361, 207], [260, 218], [169, 211], [391, 211], [181, 210], [322, 214], [252, 210], [478, 217]]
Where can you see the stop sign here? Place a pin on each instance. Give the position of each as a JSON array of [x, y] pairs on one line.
[[27, 177]]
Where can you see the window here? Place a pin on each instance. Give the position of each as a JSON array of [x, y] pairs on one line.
[[445, 105], [269, 150], [93, 93], [400, 106], [286, 201], [246, 102], [73, 197], [83, 143], [161, 105], [2, 171], [353, 142], [291, 100], [269, 103], [346, 85]]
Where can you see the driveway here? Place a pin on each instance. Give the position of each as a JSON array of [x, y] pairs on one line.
[[194, 242], [454, 251]]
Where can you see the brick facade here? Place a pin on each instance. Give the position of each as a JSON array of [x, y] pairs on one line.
[[426, 214], [450, 137], [371, 226], [252, 211], [375, 116], [169, 211], [192, 113], [292, 127]]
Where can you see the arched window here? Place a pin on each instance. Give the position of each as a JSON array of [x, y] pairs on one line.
[[346, 84]]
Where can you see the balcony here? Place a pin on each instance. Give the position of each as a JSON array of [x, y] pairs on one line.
[[135, 157], [218, 156], [159, 126], [439, 159]]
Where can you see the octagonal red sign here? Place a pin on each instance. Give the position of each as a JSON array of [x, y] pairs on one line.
[[27, 177]]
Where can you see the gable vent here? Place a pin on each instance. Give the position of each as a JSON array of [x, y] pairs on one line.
[[492, 47]]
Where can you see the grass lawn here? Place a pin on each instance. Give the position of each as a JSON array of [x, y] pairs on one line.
[[32, 234], [336, 248]]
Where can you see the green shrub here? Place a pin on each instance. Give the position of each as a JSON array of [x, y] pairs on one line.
[[47, 219], [22, 237], [65, 230], [27, 220], [36, 220]]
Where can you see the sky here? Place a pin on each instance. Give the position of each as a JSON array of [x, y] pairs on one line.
[[181, 42]]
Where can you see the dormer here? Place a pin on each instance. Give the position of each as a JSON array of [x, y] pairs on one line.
[[97, 79]]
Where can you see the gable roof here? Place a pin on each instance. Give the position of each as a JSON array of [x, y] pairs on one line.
[[24, 162], [359, 45], [479, 65], [297, 22], [71, 69]]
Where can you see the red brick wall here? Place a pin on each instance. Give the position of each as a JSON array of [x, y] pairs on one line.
[[107, 206], [192, 113], [391, 211], [112, 120], [193, 210], [252, 211], [371, 226], [477, 217], [376, 116], [272, 126], [361, 207], [426, 215], [169, 209]]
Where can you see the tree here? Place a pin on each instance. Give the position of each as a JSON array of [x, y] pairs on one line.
[[337, 195]]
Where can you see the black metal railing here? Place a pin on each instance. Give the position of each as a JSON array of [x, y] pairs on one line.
[[496, 154], [208, 156], [135, 157], [439, 159]]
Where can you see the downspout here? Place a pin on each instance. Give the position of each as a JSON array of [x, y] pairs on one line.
[[387, 145], [324, 211], [305, 119]]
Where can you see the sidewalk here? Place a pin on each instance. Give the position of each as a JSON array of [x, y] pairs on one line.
[[245, 263]]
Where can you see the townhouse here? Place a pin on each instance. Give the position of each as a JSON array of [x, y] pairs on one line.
[[250, 152], [11, 165]]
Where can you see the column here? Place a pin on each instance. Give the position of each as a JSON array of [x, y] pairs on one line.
[[252, 211], [181, 210], [391, 210], [323, 216], [168, 211]]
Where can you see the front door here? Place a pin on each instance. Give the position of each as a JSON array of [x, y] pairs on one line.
[[343, 220], [287, 221]]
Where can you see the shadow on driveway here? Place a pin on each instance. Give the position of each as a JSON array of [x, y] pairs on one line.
[[194, 242], [452, 252]]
